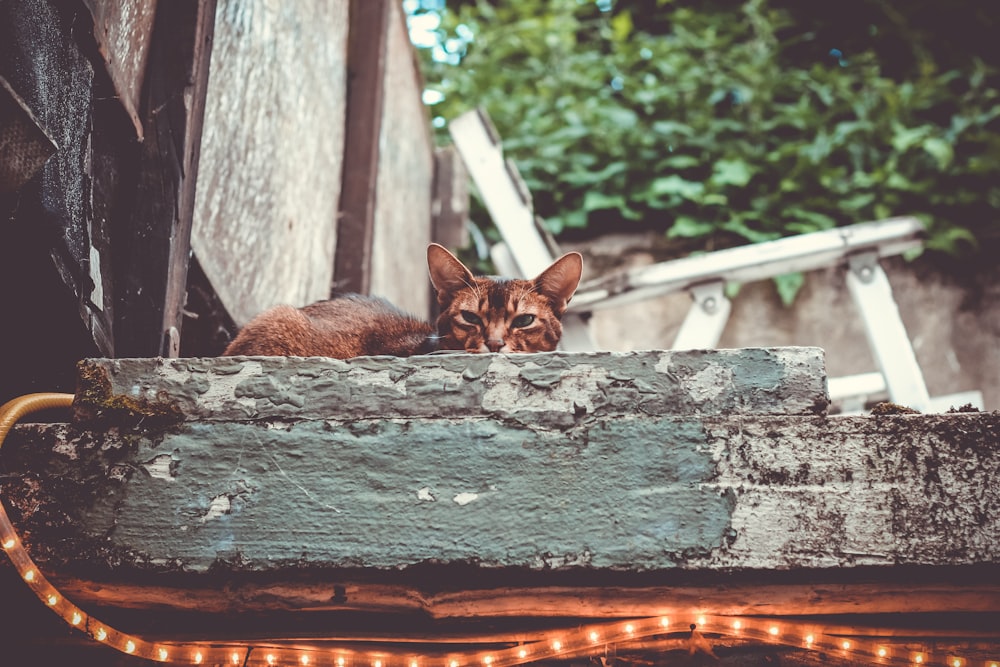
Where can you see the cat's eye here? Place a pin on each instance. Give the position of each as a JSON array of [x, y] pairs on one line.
[[522, 321], [471, 317]]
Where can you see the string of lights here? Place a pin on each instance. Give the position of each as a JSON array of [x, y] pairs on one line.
[[591, 640]]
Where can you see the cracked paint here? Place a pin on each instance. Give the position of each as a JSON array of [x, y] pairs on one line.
[[465, 498], [219, 506], [161, 467]]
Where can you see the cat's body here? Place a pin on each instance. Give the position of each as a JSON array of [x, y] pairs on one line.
[[478, 314]]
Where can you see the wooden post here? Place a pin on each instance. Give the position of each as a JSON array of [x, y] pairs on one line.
[[152, 285], [366, 61]]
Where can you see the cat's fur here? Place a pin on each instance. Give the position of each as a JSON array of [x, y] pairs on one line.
[[478, 314]]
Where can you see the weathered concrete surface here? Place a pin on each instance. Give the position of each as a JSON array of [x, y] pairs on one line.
[[634, 494], [548, 390], [460, 486]]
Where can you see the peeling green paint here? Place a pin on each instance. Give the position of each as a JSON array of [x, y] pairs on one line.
[[555, 386], [348, 493]]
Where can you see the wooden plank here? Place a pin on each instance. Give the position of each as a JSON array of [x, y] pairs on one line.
[[50, 232], [122, 31], [366, 66], [272, 153], [153, 280], [451, 200], [447, 595], [404, 185]]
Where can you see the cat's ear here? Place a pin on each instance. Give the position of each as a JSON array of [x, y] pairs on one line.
[[559, 281], [448, 275]]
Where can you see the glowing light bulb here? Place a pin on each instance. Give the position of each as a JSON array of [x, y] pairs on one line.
[[269, 658], [957, 662], [809, 639], [846, 645], [737, 625], [629, 628], [454, 663], [594, 636], [774, 630], [701, 620], [101, 634], [664, 621], [77, 618], [304, 660], [918, 658], [29, 575], [557, 645], [130, 646], [377, 663], [340, 662], [162, 654], [522, 654], [9, 544], [52, 600], [235, 658], [882, 652], [488, 660], [198, 657], [414, 664]]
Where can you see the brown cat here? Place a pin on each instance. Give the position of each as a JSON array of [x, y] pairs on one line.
[[478, 314]]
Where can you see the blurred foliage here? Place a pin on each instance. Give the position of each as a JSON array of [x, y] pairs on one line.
[[724, 122]]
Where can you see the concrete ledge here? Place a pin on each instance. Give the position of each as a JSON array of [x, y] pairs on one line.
[[625, 495], [554, 388], [486, 486]]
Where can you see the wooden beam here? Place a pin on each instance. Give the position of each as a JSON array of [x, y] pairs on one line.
[[366, 63], [156, 239]]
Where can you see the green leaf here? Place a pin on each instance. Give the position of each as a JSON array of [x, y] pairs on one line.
[[687, 227], [905, 138], [675, 185], [592, 177], [950, 240], [596, 201], [621, 26], [731, 172], [788, 286], [940, 150], [680, 162]]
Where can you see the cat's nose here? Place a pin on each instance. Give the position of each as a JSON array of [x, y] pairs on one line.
[[494, 345]]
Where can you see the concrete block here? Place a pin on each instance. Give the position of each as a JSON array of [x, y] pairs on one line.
[[554, 389], [639, 494]]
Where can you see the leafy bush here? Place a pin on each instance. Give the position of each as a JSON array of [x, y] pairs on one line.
[[707, 132]]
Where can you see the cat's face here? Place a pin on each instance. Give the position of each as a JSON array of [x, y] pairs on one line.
[[497, 314]]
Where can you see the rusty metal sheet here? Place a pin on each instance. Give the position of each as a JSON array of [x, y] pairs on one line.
[[405, 180], [123, 29], [272, 146]]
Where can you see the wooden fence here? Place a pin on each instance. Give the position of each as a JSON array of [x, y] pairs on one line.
[[209, 159]]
